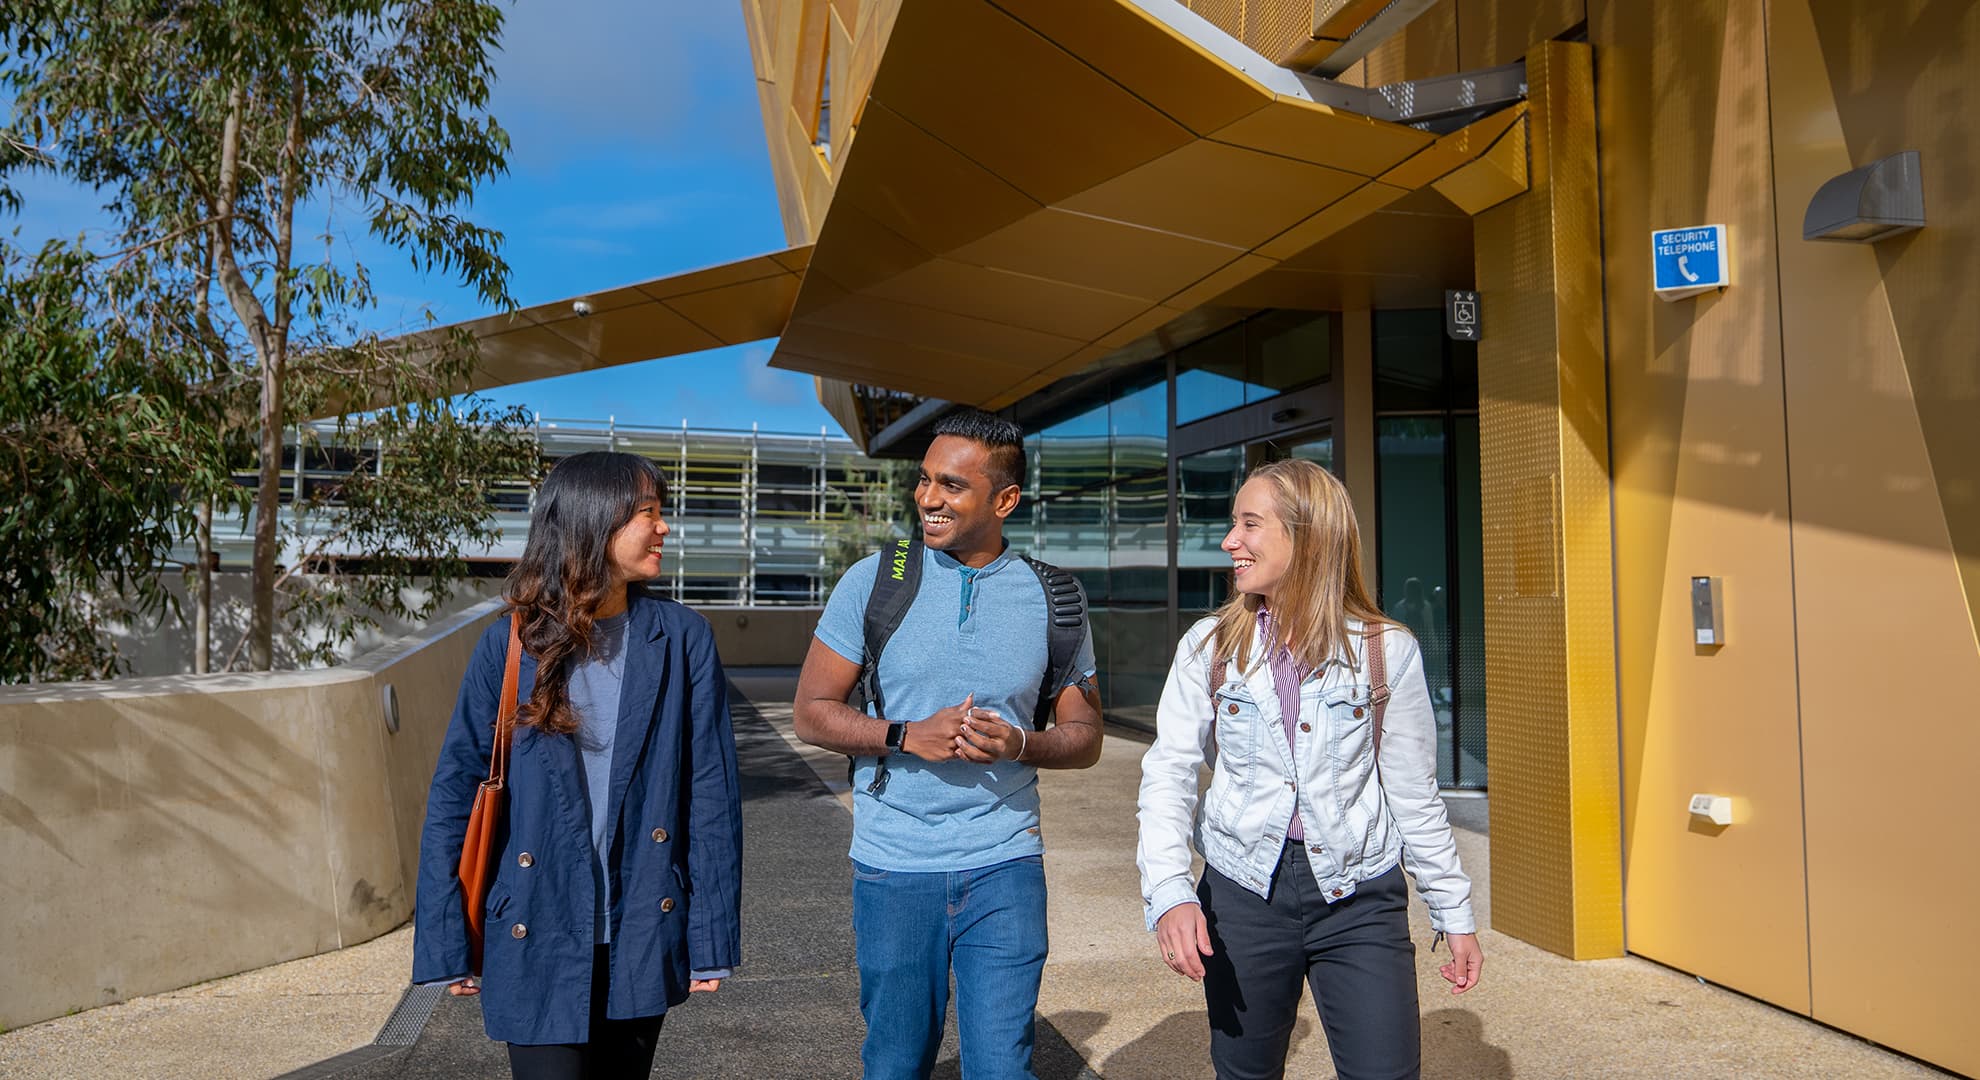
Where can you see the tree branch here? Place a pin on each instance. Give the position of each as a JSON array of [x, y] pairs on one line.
[[232, 281]]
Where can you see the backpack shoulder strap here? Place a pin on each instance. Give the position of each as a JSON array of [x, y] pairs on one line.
[[1065, 602], [1378, 677], [895, 581]]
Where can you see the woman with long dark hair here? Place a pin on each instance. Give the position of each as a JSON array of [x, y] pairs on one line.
[[1323, 789], [617, 885]]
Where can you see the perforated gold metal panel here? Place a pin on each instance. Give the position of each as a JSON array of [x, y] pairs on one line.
[[1278, 28], [1549, 644]]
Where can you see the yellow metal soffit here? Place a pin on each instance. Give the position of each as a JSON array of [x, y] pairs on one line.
[[727, 304], [1092, 174]]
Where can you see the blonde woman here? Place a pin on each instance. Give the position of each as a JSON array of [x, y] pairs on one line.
[[1313, 811]]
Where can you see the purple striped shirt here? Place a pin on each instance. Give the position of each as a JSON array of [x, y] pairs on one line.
[[1287, 674]]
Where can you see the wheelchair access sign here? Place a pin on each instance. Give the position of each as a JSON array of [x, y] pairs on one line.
[[1686, 262]]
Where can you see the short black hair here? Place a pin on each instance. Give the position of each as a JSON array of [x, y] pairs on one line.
[[1003, 438]]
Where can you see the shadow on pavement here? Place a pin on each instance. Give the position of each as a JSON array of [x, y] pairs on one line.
[[793, 1007], [1454, 1045]]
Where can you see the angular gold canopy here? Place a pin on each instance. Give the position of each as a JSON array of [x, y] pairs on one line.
[[727, 304], [1091, 174]]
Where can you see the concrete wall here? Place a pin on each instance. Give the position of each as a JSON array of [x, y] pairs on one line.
[[166, 647], [762, 637], [160, 832]]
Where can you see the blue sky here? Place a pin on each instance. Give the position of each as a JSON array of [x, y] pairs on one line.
[[638, 151]]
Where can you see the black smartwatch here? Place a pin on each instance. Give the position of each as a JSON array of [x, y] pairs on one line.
[[896, 735]]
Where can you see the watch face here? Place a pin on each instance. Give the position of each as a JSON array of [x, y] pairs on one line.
[[896, 733]]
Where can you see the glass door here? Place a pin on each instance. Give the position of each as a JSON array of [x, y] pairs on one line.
[[1315, 444]]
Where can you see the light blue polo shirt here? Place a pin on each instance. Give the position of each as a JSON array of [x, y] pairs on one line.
[[979, 631]]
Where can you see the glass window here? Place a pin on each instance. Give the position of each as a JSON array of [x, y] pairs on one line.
[[1210, 375], [1409, 361], [1464, 373], [1139, 421], [1415, 579], [1468, 624], [1206, 485], [1073, 453], [1290, 349]]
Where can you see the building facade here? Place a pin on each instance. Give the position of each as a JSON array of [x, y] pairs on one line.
[[1537, 503], [1678, 518], [758, 518]]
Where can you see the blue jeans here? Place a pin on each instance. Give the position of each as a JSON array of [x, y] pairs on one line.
[[988, 923]]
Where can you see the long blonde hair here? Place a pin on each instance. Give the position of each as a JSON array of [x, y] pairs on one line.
[[1323, 586]]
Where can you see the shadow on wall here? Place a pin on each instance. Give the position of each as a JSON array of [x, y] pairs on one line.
[[169, 830]]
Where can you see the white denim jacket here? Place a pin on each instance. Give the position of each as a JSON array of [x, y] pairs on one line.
[[1356, 826]]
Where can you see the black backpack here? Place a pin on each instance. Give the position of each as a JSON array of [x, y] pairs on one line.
[[898, 578]]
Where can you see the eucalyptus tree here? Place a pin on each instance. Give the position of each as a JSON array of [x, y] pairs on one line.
[[104, 422], [211, 128]]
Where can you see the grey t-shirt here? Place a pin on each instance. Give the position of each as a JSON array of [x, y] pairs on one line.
[[594, 694]]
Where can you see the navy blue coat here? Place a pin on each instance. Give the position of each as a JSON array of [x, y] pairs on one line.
[[676, 801]]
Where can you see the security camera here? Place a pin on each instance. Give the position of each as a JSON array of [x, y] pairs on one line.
[[582, 307]]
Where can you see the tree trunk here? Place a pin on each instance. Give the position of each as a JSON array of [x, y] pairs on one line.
[[203, 592], [267, 516]]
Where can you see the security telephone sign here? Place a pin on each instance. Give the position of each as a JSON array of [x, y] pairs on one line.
[[1686, 262]]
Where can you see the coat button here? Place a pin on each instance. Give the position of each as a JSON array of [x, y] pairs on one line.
[[667, 904], [525, 860], [1337, 892], [659, 836], [1357, 712], [1306, 727], [1315, 849], [519, 931], [1231, 708]]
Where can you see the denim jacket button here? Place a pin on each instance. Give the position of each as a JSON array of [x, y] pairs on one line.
[[1337, 892], [1305, 727], [1357, 712], [1231, 708]]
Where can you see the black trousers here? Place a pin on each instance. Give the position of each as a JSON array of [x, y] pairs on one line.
[[1355, 954], [617, 1049]]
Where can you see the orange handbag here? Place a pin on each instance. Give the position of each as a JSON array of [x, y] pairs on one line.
[[478, 853]]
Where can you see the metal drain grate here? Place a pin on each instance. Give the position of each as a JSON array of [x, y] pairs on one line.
[[414, 1009]]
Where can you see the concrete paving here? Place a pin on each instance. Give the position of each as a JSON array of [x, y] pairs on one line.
[[1109, 1007]]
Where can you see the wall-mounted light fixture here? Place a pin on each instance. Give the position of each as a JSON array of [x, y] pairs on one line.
[[1865, 205]]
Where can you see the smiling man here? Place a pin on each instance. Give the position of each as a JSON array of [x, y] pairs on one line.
[[947, 859]]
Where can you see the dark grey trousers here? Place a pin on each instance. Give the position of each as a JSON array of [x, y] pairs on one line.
[[1355, 953]]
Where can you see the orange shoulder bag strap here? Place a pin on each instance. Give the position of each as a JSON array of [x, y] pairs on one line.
[[478, 854]]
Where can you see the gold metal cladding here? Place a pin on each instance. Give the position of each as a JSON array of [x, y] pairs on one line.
[[806, 51], [1549, 644], [1879, 343], [1701, 487], [1292, 33], [1072, 196], [1499, 174], [728, 304]]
